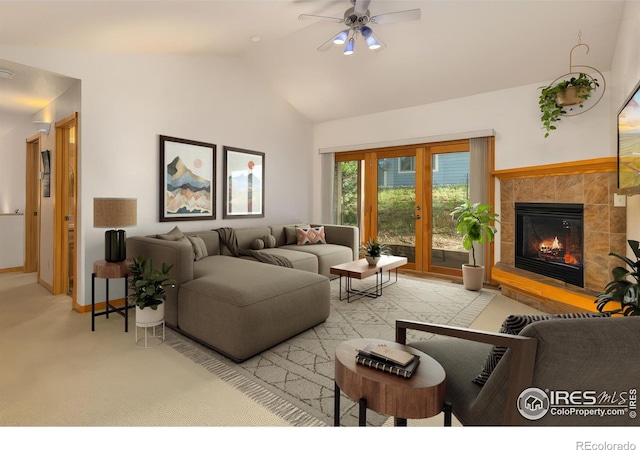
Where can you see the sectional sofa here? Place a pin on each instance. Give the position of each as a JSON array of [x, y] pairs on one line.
[[243, 290]]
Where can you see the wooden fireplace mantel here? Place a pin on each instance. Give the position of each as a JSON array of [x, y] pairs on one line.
[[597, 165]]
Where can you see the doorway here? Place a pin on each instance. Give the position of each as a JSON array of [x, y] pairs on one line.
[[403, 196], [65, 229]]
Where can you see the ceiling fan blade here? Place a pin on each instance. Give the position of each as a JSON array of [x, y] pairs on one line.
[[398, 16], [380, 42], [361, 7], [313, 16], [327, 45]]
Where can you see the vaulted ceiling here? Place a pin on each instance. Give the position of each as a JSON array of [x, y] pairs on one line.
[[456, 49]]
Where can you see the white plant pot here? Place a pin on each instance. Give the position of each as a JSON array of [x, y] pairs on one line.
[[149, 317], [472, 277], [372, 260]]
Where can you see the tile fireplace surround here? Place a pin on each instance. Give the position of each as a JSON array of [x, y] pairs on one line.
[[591, 183]]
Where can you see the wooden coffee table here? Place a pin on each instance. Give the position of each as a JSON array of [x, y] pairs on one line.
[[418, 397], [361, 269]]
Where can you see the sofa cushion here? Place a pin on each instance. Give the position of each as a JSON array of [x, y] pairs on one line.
[[514, 324], [257, 244], [327, 255], [174, 235], [269, 241], [311, 235], [291, 233], [199, 247]]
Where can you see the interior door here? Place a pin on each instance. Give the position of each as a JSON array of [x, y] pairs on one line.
[[66, 205], [32, 207]]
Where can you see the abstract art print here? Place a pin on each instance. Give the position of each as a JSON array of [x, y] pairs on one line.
[[187, 180], [243, 194]]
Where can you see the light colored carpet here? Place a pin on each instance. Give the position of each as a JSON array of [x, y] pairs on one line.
[[56, 372], [300, 370]]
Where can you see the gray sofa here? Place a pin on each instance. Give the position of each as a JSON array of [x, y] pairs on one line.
[[229, 299]]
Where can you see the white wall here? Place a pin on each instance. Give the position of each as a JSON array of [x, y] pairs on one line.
[[626, 70], [13, 156], [128, 100]]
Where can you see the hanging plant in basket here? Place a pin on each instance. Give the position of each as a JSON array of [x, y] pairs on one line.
[[556, 97]]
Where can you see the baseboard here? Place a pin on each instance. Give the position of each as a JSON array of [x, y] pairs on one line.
[[12, 269]]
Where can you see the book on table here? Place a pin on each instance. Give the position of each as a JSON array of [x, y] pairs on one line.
[[389, 354], [368, 359]]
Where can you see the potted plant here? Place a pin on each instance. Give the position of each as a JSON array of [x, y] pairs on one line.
[[148, 286], [624, 287], [475, 223], [554, 98], [373, 250]]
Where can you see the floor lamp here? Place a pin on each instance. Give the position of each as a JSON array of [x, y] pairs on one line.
[[115, 213]]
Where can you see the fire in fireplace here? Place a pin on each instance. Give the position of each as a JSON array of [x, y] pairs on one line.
[[549, 240]]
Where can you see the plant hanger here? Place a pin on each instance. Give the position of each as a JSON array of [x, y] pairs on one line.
[[573, 70], [573, 88]]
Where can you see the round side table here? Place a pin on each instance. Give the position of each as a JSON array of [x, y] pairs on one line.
[[109, 271], [418, 397]]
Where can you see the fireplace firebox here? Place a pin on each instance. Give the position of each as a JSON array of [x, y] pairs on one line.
[[549, 240]]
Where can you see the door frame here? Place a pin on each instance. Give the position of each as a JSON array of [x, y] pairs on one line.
[[62, 255], [32, 205]]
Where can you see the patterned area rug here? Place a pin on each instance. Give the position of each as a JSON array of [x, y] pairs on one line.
[[295, 378]]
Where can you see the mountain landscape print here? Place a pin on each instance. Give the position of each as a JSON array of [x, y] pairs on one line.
[[188, 180]]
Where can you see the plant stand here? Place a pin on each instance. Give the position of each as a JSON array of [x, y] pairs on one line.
[[150, 320]]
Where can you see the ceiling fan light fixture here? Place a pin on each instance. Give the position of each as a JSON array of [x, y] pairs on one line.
[[366, 31], [348, 50], [341, 37], [372, 43]]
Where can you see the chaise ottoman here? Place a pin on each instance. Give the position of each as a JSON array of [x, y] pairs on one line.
[[242, 307]]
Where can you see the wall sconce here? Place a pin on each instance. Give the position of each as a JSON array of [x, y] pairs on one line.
[[114, 213], [42, 127]]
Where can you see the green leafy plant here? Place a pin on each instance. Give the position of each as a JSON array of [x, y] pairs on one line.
[[624, 287], [148, 284], [474, 222], [374, 248], [549, 107]]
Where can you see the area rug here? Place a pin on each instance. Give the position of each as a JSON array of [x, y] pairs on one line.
[[295, 378]]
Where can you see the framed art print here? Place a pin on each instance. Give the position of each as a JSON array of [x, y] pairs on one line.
[[187, 180], [243, 193]]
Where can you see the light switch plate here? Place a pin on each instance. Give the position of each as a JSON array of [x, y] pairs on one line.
[[619, 200]]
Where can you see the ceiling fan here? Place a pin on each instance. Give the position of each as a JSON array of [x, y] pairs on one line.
[[357, 21]]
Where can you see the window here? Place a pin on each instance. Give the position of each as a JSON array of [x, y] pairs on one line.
[[407, 164]]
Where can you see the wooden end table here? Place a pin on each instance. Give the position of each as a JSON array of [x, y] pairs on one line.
[[109, 270], [361, 269], [418, 397]]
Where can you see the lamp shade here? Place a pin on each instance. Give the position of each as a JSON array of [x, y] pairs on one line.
[[115, 212], [42, 127], [348, 50]]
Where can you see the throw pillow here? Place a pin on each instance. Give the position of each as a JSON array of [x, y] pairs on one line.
[[199, 247], [269, 241], [291, 233], [514, 325], [257, 244], [307, 236], [174, 235]]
